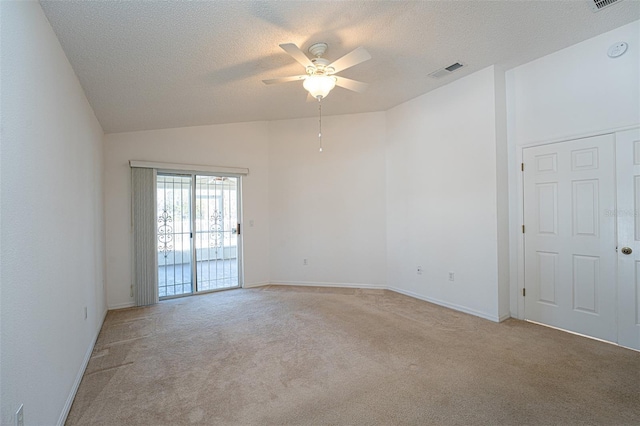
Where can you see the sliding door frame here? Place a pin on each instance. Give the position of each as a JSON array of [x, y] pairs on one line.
[[239, 239]]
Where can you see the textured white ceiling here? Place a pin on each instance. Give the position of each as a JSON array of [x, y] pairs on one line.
[[152, 64]]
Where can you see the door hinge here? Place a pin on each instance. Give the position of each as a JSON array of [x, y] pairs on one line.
[[190, 234], [238, 229], [523, 229], [524, 292], [522, 167]]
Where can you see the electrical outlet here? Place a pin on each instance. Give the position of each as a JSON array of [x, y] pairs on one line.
[[20, 416], [419, 270], [85, 312], [305, 262], [452, 276]]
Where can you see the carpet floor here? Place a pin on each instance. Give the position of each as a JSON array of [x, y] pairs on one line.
[[317, 356]]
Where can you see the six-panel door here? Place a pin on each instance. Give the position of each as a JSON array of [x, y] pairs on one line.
[[628, 217], [570, 241]]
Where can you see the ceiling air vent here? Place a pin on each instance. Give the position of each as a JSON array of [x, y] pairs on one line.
[[597, 5], [446, 70]]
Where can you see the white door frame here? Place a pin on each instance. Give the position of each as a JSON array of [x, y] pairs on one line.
[[516, 213]]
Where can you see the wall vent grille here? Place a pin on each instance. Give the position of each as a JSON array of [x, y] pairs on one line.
[[597, 5]]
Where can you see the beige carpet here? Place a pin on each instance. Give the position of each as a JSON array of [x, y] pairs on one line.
[[311, 356]]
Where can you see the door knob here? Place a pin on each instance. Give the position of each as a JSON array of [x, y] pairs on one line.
[[626, 250]]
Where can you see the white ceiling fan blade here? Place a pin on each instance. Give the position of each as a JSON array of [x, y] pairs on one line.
[[347, 83], [350, 59], [297, 54], [285, 79]]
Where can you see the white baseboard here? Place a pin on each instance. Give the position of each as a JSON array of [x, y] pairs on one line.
[[122, 305], [258, 284], [76, 384], [453, 306], [504, 317], [325, 284]]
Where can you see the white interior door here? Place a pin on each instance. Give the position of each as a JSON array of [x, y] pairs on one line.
[[570, 241], [628, 214]]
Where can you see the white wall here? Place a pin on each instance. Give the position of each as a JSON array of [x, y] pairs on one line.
[[574, 92], [231, 145], [329, 207], [52, 221], [442, 195]]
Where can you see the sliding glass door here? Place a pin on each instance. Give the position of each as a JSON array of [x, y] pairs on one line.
[[175, 276], [198, 233], [216, 200]]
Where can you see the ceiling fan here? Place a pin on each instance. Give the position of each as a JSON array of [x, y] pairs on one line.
[[320, 75]]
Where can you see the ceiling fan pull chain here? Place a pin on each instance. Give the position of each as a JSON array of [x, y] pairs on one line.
[[320, 123]]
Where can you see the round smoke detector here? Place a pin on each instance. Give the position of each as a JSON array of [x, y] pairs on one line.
[[617, 50]]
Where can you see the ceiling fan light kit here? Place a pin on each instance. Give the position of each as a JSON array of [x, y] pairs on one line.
[[319, 86], [320, 79]]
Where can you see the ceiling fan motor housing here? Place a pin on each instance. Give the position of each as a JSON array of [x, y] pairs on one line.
[[320, 68], [318, 49]]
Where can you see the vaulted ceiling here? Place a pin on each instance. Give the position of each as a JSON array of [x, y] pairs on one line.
[[151, 64]]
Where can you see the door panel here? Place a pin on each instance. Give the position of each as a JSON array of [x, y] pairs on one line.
[[547, 277], [173, 195], [547, 208], [217, 251], [586, 271], [570, 260], [628, 216]]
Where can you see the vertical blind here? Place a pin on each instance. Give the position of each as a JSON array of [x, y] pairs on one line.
[[143, 181]]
